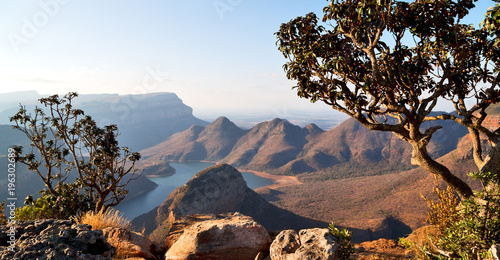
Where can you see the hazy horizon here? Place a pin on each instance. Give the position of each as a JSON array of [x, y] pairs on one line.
[[218, 56]]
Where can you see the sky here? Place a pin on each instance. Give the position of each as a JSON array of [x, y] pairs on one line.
[[218, 56]]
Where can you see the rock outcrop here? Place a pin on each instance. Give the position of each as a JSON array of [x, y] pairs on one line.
[[215, 190], [313, 243], [178, 226], [228, 236], [53, 239], [221, 189], [131, 244]]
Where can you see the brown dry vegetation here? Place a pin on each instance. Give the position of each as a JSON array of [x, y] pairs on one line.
[[381, 249], [348, 175], [365, 202], [103, 219]]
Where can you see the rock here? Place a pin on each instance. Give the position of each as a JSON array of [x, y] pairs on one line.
[[287, 242], [178, 227], [132, 244], [226, 236], [53, 239], [221, 189], [495, 252], [216, 190], [313, 243]]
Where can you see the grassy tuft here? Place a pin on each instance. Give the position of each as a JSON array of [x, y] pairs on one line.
[[103, 219]]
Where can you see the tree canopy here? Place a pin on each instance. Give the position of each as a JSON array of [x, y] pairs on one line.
[[65, 140], [380, 59]]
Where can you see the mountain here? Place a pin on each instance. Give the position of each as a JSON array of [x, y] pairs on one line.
[[279, 147], [143, 120], [220, 189], [367, 202], [268, 145], [28, 183], [212, 142]]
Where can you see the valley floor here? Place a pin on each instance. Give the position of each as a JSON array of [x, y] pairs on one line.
[[279, 180]]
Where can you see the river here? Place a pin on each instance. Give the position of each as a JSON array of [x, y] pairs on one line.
[[183, 172]]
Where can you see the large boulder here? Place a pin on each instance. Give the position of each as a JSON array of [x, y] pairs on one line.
[[133, 244], [53, 239], [178, 226], [316, 243], [226, 236]]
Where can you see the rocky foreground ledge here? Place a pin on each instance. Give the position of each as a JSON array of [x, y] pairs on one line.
[[224, 236], [53, 239]]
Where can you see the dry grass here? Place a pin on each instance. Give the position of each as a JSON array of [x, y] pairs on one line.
[[382, 249], [103, 219]]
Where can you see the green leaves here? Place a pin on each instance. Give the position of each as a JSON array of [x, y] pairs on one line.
[[467, 228], [492, 24], [65, 140], [446, 60], [348, 67], [343, 236]]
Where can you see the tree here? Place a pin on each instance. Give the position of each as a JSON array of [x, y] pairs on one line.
[[65, 140], [429, 57]]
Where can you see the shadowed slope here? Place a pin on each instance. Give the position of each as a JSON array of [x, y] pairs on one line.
[[220, 189]]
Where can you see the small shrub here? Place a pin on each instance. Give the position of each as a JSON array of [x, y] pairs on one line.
[[43, 207], [445, 211], [109, 218], [103, 219], [420, 242], [466, 229], [343, 236], [66, 205]]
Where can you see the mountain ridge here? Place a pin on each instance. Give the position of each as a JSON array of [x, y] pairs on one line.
[[280, 147], [143, 120]]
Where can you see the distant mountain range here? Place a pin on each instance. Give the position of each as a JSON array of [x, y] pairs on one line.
[[351, 175], [279, 147], [143, 120]]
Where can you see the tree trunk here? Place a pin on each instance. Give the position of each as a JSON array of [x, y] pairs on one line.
[[492, 164], [99, 205], [421, 157]]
